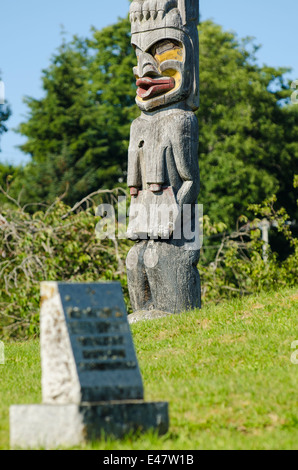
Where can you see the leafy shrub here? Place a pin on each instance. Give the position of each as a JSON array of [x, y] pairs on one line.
[[55, 243], [244, 263]]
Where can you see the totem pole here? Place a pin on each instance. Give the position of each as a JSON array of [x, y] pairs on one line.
[[163, 170]]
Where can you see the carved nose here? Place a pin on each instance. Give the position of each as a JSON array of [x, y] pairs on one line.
[[146, 65]]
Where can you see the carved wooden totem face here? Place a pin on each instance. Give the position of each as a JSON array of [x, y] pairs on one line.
[[164, 36], [159, 73]]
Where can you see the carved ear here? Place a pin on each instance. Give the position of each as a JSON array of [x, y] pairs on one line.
[[189, 10]]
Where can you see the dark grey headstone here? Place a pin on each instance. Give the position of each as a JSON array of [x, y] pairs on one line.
[[101, 341]]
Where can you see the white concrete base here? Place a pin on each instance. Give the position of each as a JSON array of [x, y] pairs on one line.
[[64, 426], [45, 426]]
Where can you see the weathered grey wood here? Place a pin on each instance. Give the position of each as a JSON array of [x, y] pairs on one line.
[[163, 156]]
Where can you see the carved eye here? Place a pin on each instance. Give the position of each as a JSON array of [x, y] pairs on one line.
[[164, 46]]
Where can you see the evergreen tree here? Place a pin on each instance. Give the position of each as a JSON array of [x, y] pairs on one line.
[[78, 133], [248, 129]]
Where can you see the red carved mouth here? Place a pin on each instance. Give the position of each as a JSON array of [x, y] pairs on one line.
[[149, 87]]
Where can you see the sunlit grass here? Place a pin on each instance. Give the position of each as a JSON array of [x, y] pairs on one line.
[[226, 372]]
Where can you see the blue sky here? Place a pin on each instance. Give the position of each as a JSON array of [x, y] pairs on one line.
[[30, 32]]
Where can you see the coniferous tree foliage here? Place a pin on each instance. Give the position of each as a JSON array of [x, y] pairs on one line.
[[78, 133], [249, 133]]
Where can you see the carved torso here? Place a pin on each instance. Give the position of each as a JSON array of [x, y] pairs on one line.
[[164, 150]]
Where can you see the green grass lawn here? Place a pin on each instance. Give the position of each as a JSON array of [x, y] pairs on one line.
[[226, 372]]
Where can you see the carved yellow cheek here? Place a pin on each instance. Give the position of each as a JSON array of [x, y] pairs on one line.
[[176, 75], [174, 54]]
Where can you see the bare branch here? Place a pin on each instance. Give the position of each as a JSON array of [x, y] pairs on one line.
[[89, 199]]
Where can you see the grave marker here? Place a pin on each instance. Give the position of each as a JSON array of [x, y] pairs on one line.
[[91, 382]]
